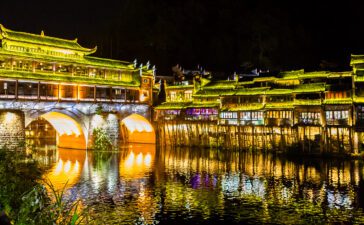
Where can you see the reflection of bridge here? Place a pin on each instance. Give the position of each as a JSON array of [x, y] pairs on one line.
[[80, 169], [57, 80]]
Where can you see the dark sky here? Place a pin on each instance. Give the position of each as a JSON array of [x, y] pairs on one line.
[[221, 35]]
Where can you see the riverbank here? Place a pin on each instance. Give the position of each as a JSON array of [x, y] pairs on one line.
[[309, 141]]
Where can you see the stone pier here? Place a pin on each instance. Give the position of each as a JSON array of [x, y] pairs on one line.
[[12, 129]]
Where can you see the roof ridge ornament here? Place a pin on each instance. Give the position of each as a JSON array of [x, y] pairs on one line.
[[2, 30], [42, 33]]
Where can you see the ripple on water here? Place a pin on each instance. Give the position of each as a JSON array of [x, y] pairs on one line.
[[198, 186]]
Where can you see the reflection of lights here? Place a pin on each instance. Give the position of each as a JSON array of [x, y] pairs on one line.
[[96, 180], [65, 170], [59, 167], [139, 159], [63, 123], [147, 159], [137, 162], [76, 167], [142, 191], [9, 117], [67, 166], [130, 160], [137, 123]]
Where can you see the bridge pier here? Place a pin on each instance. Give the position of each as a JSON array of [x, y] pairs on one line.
[[12, 129], [75, 122], [109, 124]]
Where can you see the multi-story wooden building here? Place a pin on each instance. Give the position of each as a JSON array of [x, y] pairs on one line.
[[321, 111], [43, 68]]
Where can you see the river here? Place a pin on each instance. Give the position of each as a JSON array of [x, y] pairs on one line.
[[144, 184]]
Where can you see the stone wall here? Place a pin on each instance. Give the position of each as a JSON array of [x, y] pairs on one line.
[[12, 131], [109, 123]]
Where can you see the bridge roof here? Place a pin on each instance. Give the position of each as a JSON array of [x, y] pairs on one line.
[[87, 60], [41, 39], [28, 39]]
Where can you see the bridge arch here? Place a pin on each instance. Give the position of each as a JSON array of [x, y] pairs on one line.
[[137, 129], [71, 131]]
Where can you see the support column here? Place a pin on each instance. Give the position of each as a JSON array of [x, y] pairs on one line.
[[12, 129], [109, 126]]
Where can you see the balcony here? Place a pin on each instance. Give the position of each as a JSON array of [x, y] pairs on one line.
[[309, 121], [279, 105], [252, 122], [338, 101], [278, 122], [228, 122], [337, 122], [307, 102], [244, 106], [201, 117]]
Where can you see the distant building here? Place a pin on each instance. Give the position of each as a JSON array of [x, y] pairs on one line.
[[318, 106]]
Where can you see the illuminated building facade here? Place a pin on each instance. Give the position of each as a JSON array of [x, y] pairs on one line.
[[39, 67], [321, 111], [58, 80]]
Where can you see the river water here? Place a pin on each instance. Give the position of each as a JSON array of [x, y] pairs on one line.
[[143, 184]]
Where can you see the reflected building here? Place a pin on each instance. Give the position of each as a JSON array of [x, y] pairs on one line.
[[266, 177], [138, 183]]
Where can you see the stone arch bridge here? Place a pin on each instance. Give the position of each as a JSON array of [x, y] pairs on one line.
[[75, 122]]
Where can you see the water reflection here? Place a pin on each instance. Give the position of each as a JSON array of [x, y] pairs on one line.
[[141, 185], [66, 168], [137, 161]]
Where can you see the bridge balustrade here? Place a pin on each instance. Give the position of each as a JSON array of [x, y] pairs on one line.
[[34, 90]]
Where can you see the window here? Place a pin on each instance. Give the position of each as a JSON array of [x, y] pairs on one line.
[[173, 96], [229, 115], [188, 95], [337, 117], [332, 115], [360, 113], [309, 117]]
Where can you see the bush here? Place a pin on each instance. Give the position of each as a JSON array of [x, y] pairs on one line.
[[101, 140]]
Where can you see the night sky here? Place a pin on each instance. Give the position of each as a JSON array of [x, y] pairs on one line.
[[220, 35]]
